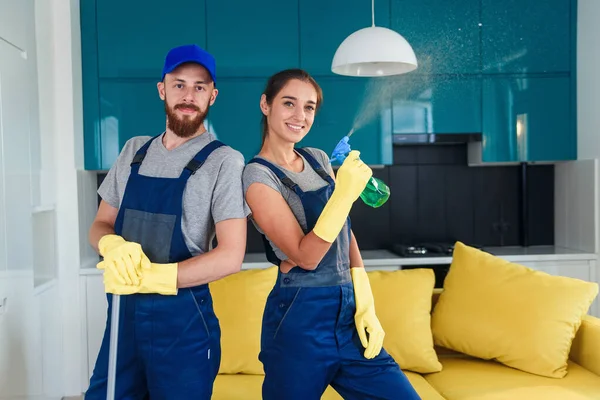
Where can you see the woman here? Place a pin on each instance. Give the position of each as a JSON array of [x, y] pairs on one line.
[[319, 325]]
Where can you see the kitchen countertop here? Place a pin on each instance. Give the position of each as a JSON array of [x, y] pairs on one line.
[[385, 258], [379, 258]]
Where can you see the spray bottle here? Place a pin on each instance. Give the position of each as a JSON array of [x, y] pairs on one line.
[[376, 193]]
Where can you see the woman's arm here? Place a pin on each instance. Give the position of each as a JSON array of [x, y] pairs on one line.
[[275, 218], [356, 260]]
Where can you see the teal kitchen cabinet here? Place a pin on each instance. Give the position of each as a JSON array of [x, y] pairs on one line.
[[134, 36], [325, 24], [252, 38], [127, 109], [435, 104], [527, 36], [92, 135], [483, 66], [235, 118], [528, 119], [443, 34], [359, 103]]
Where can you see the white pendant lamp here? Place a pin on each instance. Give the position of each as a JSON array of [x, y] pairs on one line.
[[374, 51]]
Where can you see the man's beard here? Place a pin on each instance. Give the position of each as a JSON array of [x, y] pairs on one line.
[[185, 126]]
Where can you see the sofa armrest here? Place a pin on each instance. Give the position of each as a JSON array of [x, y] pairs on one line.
[[585, 350]]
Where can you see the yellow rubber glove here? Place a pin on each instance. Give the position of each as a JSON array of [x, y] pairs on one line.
[[125, 259], [365, 319], [159, 278], [352, 177], [113, 284]]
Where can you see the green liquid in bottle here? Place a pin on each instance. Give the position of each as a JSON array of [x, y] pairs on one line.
[[376, 193]]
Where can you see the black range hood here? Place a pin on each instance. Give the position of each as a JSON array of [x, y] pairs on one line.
[[406, 139]]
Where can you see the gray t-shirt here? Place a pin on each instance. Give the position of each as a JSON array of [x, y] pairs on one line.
[[212, 194], [308, 180]]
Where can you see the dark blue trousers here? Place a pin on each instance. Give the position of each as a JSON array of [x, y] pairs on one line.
[[169, 348], [309, 341]]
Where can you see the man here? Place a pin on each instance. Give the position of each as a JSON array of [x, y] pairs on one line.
[[162, 204]]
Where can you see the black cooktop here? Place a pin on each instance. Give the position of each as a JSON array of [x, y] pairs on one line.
[[425, 249]]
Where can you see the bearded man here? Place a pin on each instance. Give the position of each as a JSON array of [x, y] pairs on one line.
[[163, 202]]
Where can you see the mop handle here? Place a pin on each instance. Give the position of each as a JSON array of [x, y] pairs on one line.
[[112, 352]]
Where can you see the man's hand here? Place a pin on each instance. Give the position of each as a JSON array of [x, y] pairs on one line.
[[125, 259]]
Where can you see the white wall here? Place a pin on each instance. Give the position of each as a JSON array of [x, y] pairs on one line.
[[576, 205], [21, 348], [577, 183], [588, 79], [70, 181], [40, 152]]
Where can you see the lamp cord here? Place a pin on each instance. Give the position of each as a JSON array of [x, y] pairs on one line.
[[373, 12]]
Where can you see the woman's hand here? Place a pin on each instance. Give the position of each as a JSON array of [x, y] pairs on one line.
[[287, 265]]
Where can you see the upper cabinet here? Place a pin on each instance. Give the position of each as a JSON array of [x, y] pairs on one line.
[[235, 118], [528, 119], [354, 103], [325, 24], [443, 34], [134, 36], [252, 38], [435, 104], [121, 104], [504, 69], [527, 36]]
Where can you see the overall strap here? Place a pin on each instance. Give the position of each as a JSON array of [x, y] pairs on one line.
[[199, 159], [290, 184], [316, 166], [140, 155]]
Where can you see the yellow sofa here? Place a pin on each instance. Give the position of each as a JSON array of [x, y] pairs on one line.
[[239, 299]]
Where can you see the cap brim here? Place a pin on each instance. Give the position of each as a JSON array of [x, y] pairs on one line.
[[174, 67]]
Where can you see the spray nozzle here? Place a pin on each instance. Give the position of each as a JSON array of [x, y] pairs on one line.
[[341, 150], [376, 193]]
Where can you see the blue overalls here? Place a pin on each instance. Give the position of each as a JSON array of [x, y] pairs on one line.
[[169, 346], [309, 338]]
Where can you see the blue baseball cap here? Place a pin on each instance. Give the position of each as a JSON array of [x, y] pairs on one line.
[[189, 53]]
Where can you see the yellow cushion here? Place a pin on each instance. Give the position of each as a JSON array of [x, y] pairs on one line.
[[493, 309], [239, 302], [249, 387], [473, 379], [586, 345], [423, 388], [237, 387], [403, 306]]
